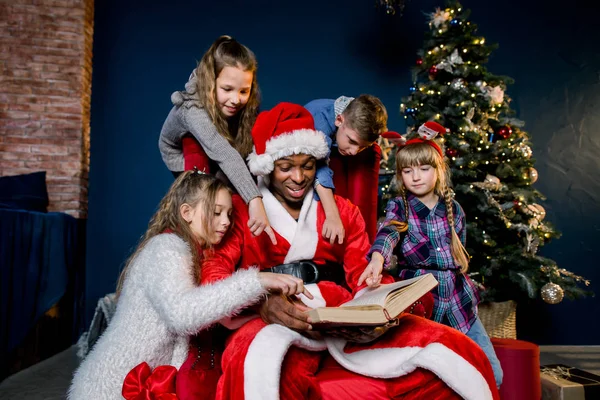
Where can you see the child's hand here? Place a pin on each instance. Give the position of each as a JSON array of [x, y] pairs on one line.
[[287, 285], [332, 228], [372, 274], [258, 221]]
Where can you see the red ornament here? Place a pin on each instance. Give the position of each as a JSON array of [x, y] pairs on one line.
[[451, 152], [433, 70], [516, 203], [419, 61], [504, 132]]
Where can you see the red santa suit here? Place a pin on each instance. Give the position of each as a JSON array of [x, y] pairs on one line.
[[418, 359]]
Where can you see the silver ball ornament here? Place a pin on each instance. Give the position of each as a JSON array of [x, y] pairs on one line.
[[552, 293], [525, 150]]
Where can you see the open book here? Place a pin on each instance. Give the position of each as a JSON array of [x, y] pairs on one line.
[[375, 306]]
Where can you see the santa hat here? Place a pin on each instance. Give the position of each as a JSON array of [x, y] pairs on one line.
[[427, 132], [285, 130]]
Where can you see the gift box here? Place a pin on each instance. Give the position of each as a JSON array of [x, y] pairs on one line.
[[561, 382]]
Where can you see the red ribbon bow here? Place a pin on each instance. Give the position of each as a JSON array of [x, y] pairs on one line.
[[141, 383]]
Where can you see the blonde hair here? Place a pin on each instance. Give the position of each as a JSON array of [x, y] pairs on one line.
[[190, 188], [416, 154], [227, 52], [367, 116]]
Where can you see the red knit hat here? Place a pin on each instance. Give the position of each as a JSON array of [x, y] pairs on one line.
[[427, 132], [282, 131]]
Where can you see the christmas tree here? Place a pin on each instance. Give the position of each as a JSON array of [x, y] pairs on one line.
[[491, 162]]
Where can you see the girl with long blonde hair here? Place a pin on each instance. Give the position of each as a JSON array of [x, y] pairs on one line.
[[425, 227], [214, 115], [160, 302]]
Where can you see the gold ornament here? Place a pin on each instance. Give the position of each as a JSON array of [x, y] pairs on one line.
[[537, 210], [552, 293], [490, 182], [533, 174]]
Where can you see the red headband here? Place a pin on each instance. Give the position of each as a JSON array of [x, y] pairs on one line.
[[429, 142], [427, 132]]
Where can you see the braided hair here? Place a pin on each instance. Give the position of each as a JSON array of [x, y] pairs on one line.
[[416, 154]]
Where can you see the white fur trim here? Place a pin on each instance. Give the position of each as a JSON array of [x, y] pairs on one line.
[[301, 141], [262, 366], [260, 165], [317, 301], [302, 235], [450, 367]]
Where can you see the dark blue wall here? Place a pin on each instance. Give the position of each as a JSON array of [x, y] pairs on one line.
[[145, 50]]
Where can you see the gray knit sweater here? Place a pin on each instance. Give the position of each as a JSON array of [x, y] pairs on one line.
[[188, 116]]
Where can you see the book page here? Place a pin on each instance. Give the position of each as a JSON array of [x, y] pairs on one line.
[[378, 295], [398, 302]]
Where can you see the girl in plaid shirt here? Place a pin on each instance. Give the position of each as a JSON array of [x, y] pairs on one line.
[[434, 230]]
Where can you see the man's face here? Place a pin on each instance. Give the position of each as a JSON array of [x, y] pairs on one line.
[[291, 178]]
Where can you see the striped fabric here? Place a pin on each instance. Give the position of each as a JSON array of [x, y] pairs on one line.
[[425, 248]]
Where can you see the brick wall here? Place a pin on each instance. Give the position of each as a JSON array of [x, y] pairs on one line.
[[45, 89]]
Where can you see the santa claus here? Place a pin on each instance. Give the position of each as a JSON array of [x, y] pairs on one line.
[[273, 352]]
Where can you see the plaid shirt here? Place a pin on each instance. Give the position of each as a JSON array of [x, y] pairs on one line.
[[425, 248]]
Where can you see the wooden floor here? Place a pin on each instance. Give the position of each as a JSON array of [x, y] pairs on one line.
[[49, 380]]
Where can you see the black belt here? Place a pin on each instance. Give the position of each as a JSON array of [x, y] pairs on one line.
[[310, 272]]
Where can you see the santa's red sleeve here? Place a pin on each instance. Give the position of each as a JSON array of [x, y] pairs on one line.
[[194, 155], [221, 261], [356, 244]]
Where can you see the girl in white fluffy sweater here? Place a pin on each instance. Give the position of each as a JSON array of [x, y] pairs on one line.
[[160, 304]]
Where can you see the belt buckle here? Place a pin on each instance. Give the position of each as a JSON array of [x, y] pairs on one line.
[[315, 271]]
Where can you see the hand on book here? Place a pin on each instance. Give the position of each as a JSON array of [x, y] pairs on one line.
[[285, 284], [285, 311], [372, 274]]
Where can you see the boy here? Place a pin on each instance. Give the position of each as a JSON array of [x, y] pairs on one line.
[[351, 125]]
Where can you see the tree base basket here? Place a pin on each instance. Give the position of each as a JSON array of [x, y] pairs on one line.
[[499, 319]]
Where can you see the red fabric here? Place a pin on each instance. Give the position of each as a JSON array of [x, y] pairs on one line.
[[283, 118], [242, 249], [429, 142], [520, 361], [141, 383], [356, 179], [194, 155], [197, 378], [302, 378], [391, 135], [337, 383]]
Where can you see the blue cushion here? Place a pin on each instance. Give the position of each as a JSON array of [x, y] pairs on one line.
[[24, 192]]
